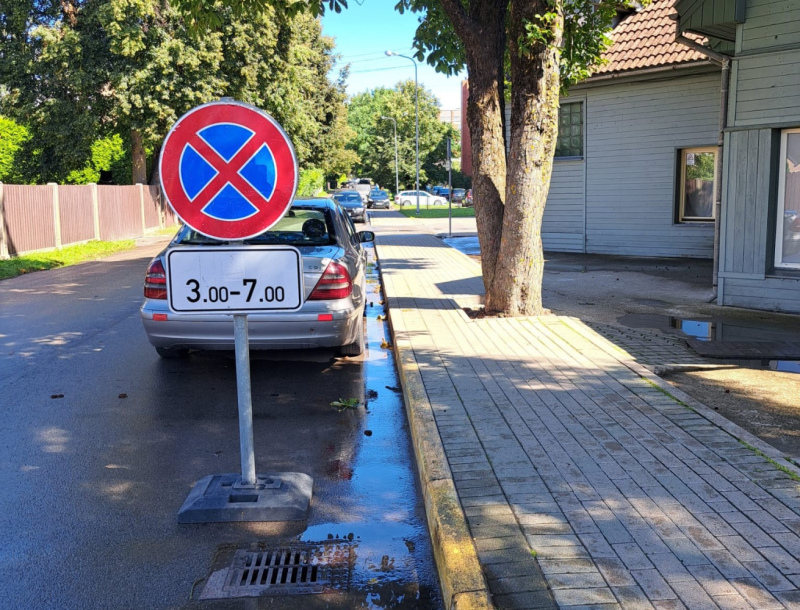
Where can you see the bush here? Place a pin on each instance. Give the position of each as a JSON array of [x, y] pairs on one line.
[[312, 182], [12, 136], [108, 155]]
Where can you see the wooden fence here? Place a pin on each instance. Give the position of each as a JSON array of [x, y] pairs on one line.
[[45, 217]]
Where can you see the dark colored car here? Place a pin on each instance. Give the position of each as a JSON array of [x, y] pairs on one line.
[[352, 204], [378, 199], [459, 196]]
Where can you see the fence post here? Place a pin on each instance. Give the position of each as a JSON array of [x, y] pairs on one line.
[[140, 186], [3, 227], [95, 210], [56, 215]]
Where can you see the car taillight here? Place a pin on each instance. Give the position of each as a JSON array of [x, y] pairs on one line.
[[155, 282], [335, 283]]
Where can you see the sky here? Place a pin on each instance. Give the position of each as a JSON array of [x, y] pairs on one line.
[[364, 31]]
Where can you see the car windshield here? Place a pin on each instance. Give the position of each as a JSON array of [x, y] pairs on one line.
[[379, 194], [299, 227], [348, 198]]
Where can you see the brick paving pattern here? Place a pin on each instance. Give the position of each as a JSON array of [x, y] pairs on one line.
[[650, 347], [584, 485]]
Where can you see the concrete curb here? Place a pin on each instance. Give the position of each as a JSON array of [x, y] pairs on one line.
[[461, 578], [718, 420]]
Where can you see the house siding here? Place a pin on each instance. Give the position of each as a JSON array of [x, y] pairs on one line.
[[765, 98], [767, 88], [562, 224], [634, 131], [770, 23]]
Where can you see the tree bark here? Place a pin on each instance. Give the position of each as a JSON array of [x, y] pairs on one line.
[[138, 158], [516, 287], [485, 50]]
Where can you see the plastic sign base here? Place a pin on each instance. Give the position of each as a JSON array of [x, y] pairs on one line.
[[221, 498]]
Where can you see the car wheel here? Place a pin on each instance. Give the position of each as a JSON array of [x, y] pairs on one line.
[[169, 354], [357, 347]]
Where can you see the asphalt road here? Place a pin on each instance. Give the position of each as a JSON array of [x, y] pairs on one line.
[[101, 441]]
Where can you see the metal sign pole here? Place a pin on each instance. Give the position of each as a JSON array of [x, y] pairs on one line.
[[244, 390], [450, 191], [225, 279]]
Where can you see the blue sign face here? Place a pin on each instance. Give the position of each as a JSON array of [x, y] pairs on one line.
[[234, 176]]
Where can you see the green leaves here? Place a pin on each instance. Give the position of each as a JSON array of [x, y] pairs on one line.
[[78, 73], [374, 135]]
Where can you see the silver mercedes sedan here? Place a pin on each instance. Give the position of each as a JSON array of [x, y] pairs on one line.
[[333, 287]]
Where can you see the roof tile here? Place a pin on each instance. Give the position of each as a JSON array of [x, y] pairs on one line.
[[647, 40]]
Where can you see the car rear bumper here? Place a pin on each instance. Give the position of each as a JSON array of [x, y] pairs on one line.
[[270, 331]]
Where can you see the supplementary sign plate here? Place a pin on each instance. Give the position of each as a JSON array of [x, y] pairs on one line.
[[234, 279]]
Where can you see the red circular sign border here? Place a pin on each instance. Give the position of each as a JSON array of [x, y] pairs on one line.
[[285, 162]]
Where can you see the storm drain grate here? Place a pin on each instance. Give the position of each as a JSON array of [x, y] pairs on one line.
[[291, 570]]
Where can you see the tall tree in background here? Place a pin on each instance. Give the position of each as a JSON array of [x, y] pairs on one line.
[[374, 136], [78, 71]]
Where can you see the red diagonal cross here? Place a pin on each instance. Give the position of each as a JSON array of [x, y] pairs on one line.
[[228, 170]]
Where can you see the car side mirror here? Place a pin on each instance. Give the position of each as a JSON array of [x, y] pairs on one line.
[[365, 236]]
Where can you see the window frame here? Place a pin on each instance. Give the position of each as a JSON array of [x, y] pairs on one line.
[[581, 104], [781, 207], [682, 218]]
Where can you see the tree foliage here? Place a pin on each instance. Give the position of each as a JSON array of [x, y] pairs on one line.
[[83, 70], [12, 137], [374, 135]]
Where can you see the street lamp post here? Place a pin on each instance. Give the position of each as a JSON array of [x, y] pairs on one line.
[[416, 110], [396, 174]]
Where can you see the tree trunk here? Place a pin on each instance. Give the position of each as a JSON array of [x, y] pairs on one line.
[[138, 158], [485, 52], [516, 287]]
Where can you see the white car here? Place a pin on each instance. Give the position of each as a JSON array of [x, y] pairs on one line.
[[425, 198]]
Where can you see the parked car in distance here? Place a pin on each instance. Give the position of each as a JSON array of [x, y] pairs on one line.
[[352, 204], [425, 198], [436, 190], [378, 199], [468, 199], [459, 196], [334, 290], [363, 187]]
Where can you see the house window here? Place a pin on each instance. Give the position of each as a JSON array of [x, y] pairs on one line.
[[570, 130], [698, 179], [787, 237]]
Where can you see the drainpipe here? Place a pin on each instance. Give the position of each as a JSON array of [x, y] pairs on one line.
[[725, 79], [723, 123]]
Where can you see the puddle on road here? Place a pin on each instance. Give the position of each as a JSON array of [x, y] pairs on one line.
[[393, 566], [467, 245], [723, 330]]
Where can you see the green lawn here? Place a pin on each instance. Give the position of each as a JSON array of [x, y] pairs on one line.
[[434, 211], [68, 255]]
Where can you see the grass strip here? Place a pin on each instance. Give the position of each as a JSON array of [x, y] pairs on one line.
[[792, 474], [69, 255], [435, 212], [665, 393]]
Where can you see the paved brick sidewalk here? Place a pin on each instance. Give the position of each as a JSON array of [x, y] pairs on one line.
[[560, 449]]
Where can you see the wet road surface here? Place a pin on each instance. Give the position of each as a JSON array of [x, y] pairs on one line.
[[101, 441]]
